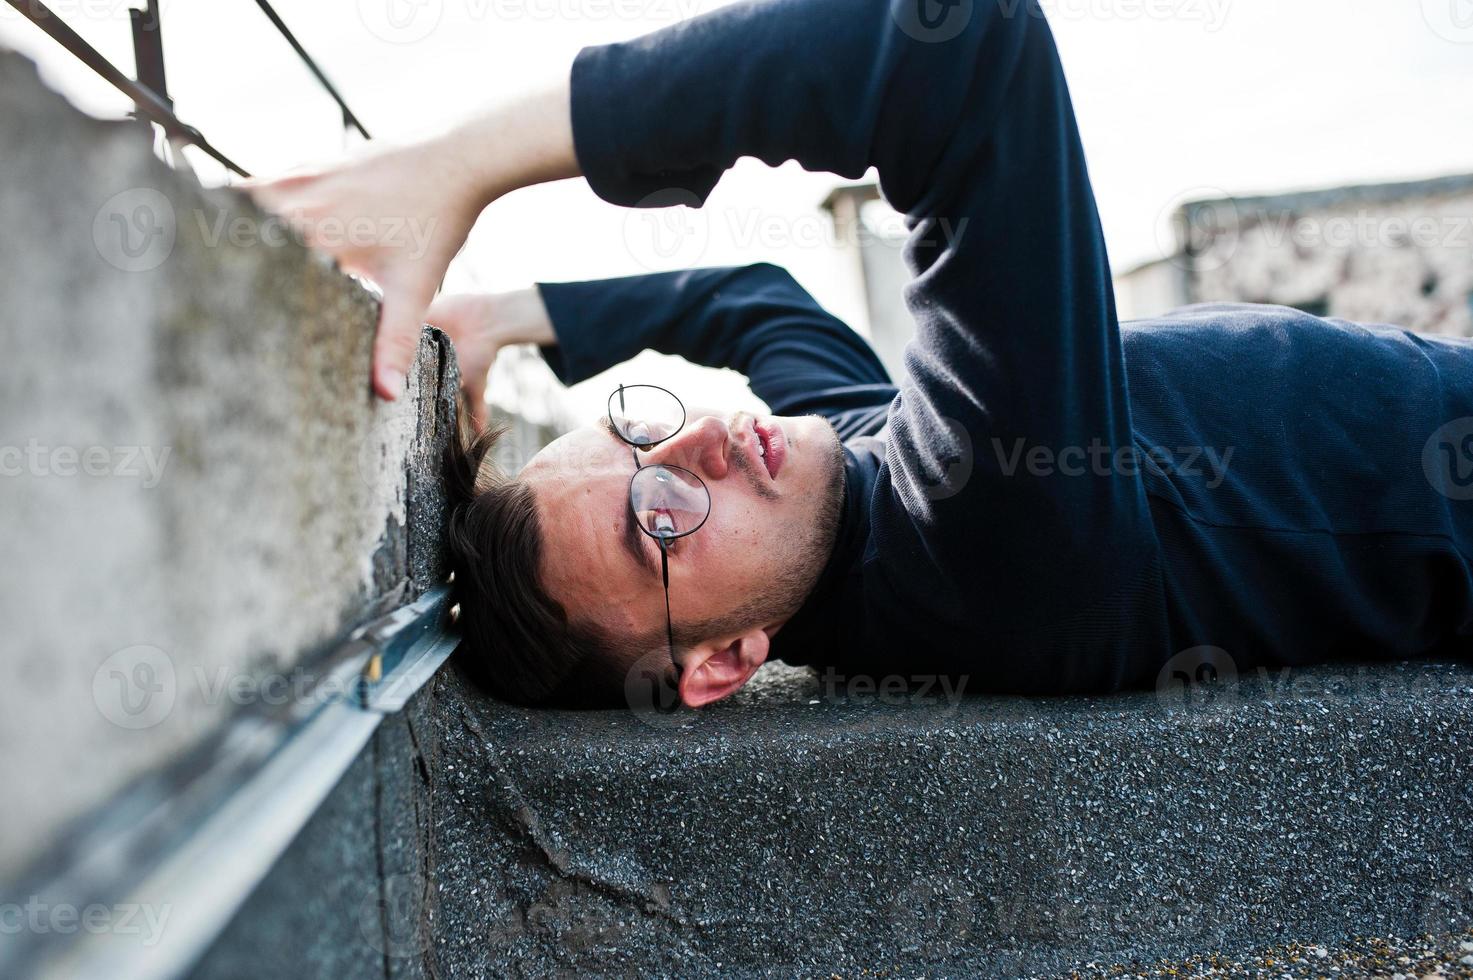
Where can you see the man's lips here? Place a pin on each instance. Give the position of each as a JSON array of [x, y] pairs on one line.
[[774, 442]]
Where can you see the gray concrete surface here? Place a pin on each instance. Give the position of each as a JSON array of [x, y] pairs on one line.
[[802, 833], [248, 500], [197, 491], [350, 897]]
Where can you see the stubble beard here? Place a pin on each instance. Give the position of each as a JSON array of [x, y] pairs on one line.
[[811, 542]]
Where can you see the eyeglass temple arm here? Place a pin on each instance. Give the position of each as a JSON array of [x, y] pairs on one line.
[[669, 625]]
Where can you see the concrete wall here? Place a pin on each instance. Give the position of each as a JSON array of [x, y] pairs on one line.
[[1151, 289], [198, 493], [873, 235], [1382, 253], [1404, 258]]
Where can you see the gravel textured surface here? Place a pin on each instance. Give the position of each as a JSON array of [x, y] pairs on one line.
[[808, 830], [1447, 955]]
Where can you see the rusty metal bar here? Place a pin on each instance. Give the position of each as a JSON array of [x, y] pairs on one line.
[[148, 103], [148, 50], [349, 119]]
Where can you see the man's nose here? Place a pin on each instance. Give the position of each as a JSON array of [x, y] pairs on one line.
[[700, 446]]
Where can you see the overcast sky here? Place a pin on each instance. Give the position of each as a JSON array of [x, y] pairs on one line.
[[1176, 98]]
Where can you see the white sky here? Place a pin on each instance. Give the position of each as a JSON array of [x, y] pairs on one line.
[[1176, 98]]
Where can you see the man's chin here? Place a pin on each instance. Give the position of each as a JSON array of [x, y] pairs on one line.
[[821, 454], [810, 438]]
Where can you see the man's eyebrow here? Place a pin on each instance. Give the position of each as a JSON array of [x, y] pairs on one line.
[[632, 535]]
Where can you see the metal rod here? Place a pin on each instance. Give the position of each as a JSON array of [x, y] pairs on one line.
[[148, 50], [349, 119], [147, 102]]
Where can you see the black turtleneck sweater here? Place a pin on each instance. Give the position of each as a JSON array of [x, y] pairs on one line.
[[1051, 503]]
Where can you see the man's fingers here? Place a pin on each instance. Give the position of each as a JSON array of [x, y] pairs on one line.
[[267, 196], [397, 342], [475, 396], [464, 319], [276, 194], [453, 315]]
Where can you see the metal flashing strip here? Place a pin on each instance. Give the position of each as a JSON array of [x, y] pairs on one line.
[[200, 836]]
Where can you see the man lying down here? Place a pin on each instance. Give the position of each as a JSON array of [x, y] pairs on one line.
[[1052, 503]]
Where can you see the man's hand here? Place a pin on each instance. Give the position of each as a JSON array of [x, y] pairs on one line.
[[397, 217], [480, 324], [400, 215]]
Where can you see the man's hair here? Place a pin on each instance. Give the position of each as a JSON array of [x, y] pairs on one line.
[[518, 643]]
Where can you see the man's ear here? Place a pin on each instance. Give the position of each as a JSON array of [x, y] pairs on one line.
[[712, 671]]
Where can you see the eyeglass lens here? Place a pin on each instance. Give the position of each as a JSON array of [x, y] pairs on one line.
[[644, 414], [668, 501]]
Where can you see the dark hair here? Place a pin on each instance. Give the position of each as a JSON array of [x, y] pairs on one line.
[[518, 643]]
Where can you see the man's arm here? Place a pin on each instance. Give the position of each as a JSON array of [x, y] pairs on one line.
[[799, 358], [444, 183]]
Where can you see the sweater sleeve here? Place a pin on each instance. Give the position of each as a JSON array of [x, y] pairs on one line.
[[799, 358], [1016, 361]]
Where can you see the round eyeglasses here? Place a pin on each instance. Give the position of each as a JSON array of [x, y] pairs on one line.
[[666, 501]]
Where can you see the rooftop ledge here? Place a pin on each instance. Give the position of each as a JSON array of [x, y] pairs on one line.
[[801, 830]]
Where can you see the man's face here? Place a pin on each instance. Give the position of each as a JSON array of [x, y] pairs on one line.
[[750, 565]]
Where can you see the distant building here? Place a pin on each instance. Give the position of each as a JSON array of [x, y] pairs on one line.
[[527, 399], [1379, 253], [873, 234]]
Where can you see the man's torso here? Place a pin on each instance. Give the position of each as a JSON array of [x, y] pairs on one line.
[[1310, 488]]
